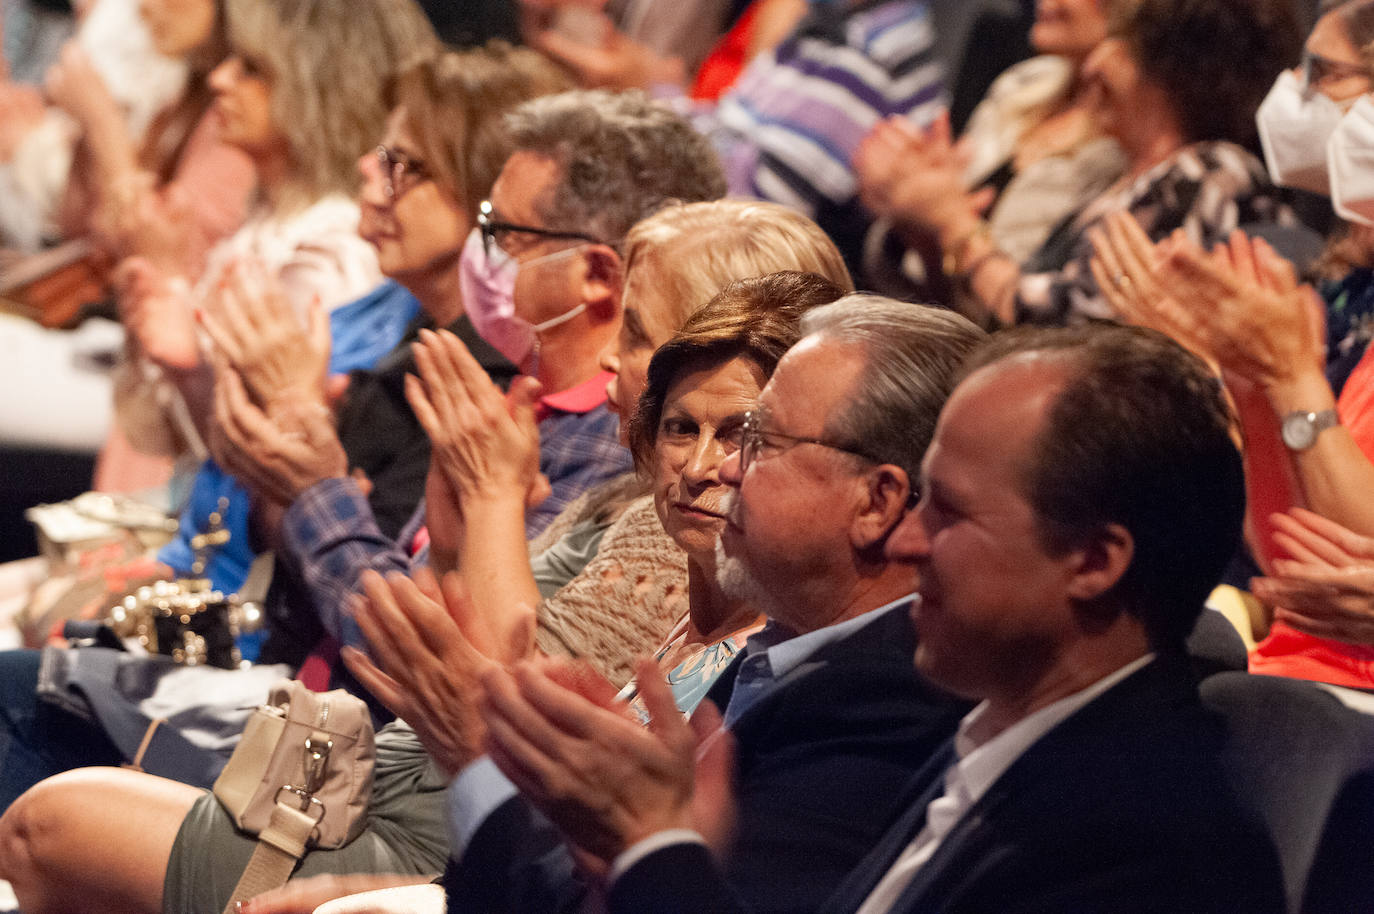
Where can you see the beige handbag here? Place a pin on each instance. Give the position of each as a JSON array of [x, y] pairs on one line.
[[300, 777]]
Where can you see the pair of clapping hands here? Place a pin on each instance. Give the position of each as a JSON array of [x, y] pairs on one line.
[[554, 727], [1241, 308]]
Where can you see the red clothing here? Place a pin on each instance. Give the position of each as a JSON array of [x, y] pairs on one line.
[[1288, 652]]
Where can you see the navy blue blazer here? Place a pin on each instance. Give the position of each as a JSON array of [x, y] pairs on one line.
[[1121, 808], [822, 760]]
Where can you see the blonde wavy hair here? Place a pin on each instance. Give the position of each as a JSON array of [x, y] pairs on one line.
[[700, 247], [331, 65]]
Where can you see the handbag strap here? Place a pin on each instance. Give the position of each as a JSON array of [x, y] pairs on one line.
[[288, 832], [280, 845]]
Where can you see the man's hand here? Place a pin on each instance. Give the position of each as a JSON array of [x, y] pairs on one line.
[[253, 325], [604, 779], [423, 666], [486, 444], [278, 457]]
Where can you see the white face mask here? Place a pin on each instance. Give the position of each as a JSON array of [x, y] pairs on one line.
[[1295, 123], [1350, 161], [488, 287]]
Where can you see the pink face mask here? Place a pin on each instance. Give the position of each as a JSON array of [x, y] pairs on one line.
[[488, 287]]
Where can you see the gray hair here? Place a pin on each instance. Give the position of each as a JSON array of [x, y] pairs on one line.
[[622, 157], [912, 357]]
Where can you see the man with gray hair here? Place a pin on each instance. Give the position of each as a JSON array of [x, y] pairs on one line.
[[823, 703], [540, 278]]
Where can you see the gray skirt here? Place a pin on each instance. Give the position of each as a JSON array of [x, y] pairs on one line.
[[406, 833]]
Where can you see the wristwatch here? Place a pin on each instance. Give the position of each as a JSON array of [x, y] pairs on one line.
[[1300, 429]]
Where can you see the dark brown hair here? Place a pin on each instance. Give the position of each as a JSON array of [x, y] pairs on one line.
[[758, 319], [1215, 59]]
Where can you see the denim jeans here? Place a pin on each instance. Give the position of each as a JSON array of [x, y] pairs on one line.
[[36, 739]]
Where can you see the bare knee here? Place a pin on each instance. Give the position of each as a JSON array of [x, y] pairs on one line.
[[31, 835]]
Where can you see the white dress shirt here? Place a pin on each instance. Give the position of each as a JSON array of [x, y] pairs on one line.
[[979, 766]]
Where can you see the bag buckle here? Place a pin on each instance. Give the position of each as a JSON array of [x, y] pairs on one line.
[[315, 764]]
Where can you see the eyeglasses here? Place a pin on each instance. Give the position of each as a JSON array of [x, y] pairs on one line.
[[1317, 69], [754, 439], [490, 227], [402, 172]]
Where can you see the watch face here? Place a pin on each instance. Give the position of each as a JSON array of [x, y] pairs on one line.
[[1297, 431]]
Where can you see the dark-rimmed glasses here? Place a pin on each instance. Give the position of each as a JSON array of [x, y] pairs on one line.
[[401, 171], [1317, 69], [490, 227]]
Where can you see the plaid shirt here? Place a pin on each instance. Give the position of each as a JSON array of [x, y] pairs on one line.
[[330, 537]]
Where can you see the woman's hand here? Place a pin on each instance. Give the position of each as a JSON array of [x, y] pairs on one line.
[[1327, 588], [156, 310], [251, 323], [301, 896], [487, 444], [73, 85], [916, 178], [21, 111], [1244, 307], [278, 456]]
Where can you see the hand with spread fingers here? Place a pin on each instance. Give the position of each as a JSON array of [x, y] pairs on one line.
[[278, 456], [252, 324], [604, 779], [916, 177], [1327, 588], [486, 443], [424, 666], [1241, 306]]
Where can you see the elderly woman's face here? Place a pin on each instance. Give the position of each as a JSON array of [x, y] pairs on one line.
[[178, 27], [701, 425], [416, 228], [647, 324], [1071, 28]]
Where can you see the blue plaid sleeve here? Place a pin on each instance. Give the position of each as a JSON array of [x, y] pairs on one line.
[[330, 534], [576, 452]]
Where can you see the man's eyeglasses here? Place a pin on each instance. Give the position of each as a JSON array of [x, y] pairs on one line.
[[491, 227], [1317, 69], [402, 172], [755, 440]]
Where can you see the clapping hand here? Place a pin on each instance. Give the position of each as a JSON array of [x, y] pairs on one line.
[[424, 665], [253, 325], [280, 455], [604, 779], [916, 177], [486, 443], [1326, 588], [1240, 307]]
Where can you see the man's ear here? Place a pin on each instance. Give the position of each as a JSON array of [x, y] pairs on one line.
[[1101, 562], [603, 278], [882, 505]]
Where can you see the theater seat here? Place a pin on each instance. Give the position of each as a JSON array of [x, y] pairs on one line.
[[1305, 763]]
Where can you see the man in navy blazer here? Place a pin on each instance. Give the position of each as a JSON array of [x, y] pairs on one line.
[[1080, 498], [829, 717]]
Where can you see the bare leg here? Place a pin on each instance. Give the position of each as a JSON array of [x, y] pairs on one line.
[[93, 840]]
